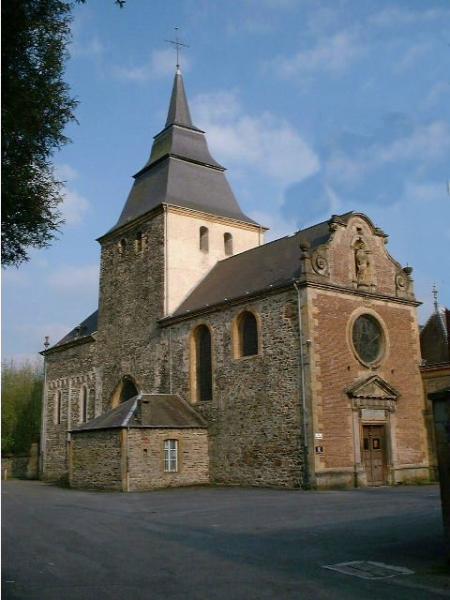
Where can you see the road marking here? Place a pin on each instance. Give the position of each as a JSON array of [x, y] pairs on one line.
[[368, 569]]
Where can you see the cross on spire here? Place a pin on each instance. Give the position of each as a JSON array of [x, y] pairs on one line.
[[178, 45], [435, 296]]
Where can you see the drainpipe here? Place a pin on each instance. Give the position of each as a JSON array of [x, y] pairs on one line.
[[43, 421], [166, 261], [303, 390], [170, 360]]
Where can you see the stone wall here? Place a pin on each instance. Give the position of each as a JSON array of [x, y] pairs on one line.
[[21, 467], [254, 416], [145, 449], [132, 282], [95, 460], [67, 372]]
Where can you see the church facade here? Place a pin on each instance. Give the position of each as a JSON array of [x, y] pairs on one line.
[[216, 357]]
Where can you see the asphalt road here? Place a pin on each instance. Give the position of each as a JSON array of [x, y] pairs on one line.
[[218, 543]]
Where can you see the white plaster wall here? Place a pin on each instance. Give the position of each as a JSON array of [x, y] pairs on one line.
[[186, 264]]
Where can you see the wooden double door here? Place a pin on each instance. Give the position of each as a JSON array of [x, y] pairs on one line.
[[374, 453]]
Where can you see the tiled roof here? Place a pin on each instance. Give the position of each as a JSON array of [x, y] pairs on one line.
[[260, 269], [148, 410]]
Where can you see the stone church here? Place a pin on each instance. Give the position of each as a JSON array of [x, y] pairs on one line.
[[217, 357]]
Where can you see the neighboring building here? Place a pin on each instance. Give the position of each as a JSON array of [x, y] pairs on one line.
[[441, 419], [435, 348], [300, 356]]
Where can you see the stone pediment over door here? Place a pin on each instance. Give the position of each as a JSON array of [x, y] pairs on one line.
[[373, 392]]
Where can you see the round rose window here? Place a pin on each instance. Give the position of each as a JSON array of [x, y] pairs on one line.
[[368, 338]]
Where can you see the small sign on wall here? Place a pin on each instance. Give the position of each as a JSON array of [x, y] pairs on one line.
[[318, 436], [373, 414]]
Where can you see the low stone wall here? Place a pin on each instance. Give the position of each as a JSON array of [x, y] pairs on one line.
[[95, 460], [21, 467], [146, 458]]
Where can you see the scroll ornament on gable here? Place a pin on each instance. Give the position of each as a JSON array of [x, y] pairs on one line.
[[404, 283]]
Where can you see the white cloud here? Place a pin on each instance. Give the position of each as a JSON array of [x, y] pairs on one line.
[[71, 278], [412, 55], [92, 48], [438, 90], [65, 172], [278, 226], [425, 192], [264, 141], [14, 277], [161, 63], [74, 207], [331, 54], [393, 16], [424, 144]]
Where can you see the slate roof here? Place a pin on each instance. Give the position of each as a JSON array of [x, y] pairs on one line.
[[148, 410], [262, 268], [435, 338], [83, 330], [180, 170]]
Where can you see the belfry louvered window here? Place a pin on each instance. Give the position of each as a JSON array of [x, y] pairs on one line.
[[228, 243], [248, 334], [204, 239], [203, 363]]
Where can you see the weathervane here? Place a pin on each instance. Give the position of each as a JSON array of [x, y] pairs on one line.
[[178, 45], [435, 296]]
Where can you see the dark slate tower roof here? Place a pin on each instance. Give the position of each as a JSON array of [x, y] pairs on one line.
[[180, 170]]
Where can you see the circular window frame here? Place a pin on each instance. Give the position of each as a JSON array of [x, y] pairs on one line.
[[384, 349]]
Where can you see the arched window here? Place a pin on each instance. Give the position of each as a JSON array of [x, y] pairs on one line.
[[202, 367], [83, 405], [204, 239], [247, 334], [228, 243], [124, 390], [121, 246], [58, 407], [138, 242]]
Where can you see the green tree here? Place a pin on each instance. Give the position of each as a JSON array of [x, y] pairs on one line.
[[21, 406], [36, 106]]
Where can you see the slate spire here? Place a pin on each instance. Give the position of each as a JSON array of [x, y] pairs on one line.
[[179, 113], [180, 170]]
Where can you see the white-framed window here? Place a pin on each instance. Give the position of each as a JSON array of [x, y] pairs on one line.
[[170, 456]]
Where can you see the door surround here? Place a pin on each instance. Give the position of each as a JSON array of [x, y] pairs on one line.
[[373, 402]]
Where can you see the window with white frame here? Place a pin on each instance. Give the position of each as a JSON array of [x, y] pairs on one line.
[[170, 456]]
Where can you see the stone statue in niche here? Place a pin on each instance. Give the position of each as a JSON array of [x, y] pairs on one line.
[[363, 262]]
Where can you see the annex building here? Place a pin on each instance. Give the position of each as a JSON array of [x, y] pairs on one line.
[[216, 357]]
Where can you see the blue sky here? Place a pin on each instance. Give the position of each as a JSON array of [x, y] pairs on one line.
[[315, 107]]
